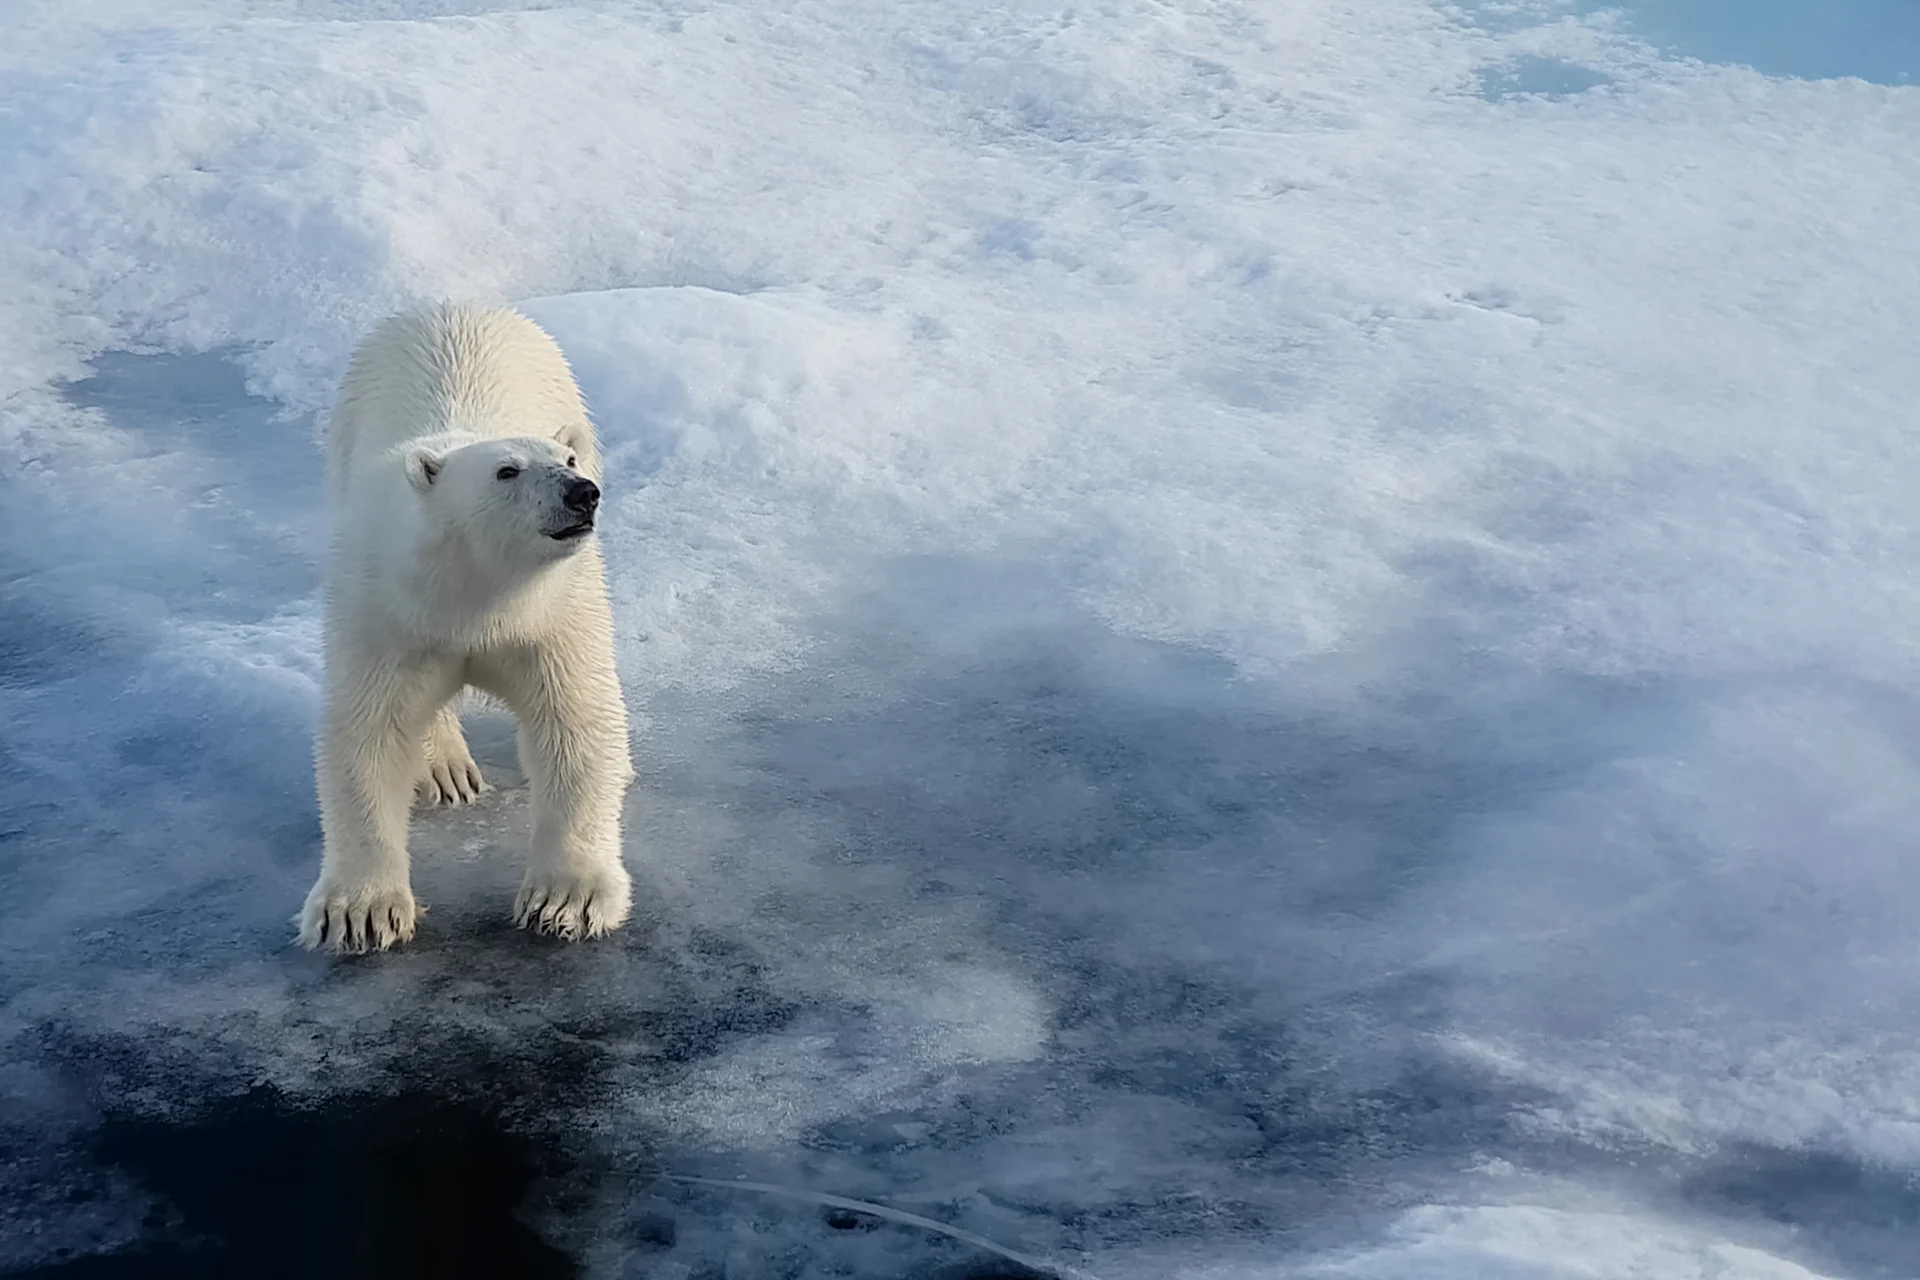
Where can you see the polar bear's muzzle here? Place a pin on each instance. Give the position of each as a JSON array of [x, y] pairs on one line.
[[581, 499]]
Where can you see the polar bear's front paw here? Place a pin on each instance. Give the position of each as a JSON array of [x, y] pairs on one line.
[[353, 920], [574, 904]]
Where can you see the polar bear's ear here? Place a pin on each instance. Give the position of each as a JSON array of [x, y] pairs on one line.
[[423, 466], [578, 438]]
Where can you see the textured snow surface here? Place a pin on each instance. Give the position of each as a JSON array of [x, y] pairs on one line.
[[1268, 639]]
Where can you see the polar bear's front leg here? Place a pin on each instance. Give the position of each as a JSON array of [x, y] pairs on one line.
[[573, 746], [366, 763]]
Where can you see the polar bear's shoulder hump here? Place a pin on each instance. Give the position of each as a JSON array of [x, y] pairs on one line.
[[486, 371]]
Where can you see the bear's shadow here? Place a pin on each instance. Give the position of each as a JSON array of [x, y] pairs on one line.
[[407, 1185]]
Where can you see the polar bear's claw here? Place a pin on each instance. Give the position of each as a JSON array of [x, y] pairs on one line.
[[452, 778], [574, 905], [455, 783], [353, 923]]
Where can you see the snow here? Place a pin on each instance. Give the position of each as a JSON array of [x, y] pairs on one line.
[[1267, 640]]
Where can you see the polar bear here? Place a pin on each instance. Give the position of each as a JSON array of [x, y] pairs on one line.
[[463, 473]]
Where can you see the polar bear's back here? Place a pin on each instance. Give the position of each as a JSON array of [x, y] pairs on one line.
[[488, 371]]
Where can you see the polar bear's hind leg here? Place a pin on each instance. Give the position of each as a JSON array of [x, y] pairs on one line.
[[451, 776]]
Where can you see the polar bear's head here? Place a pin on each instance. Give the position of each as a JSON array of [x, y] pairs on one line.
[[518, 502]]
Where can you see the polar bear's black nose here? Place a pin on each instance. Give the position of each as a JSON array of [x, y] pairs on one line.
[[582, 495]]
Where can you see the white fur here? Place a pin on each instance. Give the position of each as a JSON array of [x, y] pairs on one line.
[[442, 576]]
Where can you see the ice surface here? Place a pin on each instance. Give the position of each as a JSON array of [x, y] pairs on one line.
[[1267, 640]]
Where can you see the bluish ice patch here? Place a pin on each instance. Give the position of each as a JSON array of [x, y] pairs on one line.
[[1862, 1220], [1055, 803], [1875, 40], [245, 532], [155, 678], [1538, 77]]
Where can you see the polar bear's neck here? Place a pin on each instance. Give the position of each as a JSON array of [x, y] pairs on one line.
[[446, 594]]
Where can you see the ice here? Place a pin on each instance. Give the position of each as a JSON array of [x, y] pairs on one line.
[[1523, 1242], [1266, 640]]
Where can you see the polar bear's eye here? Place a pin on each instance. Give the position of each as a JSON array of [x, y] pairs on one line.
[[506, 473], [573, 460]]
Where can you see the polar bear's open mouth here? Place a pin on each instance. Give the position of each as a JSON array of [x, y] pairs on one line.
[[572, 531]]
